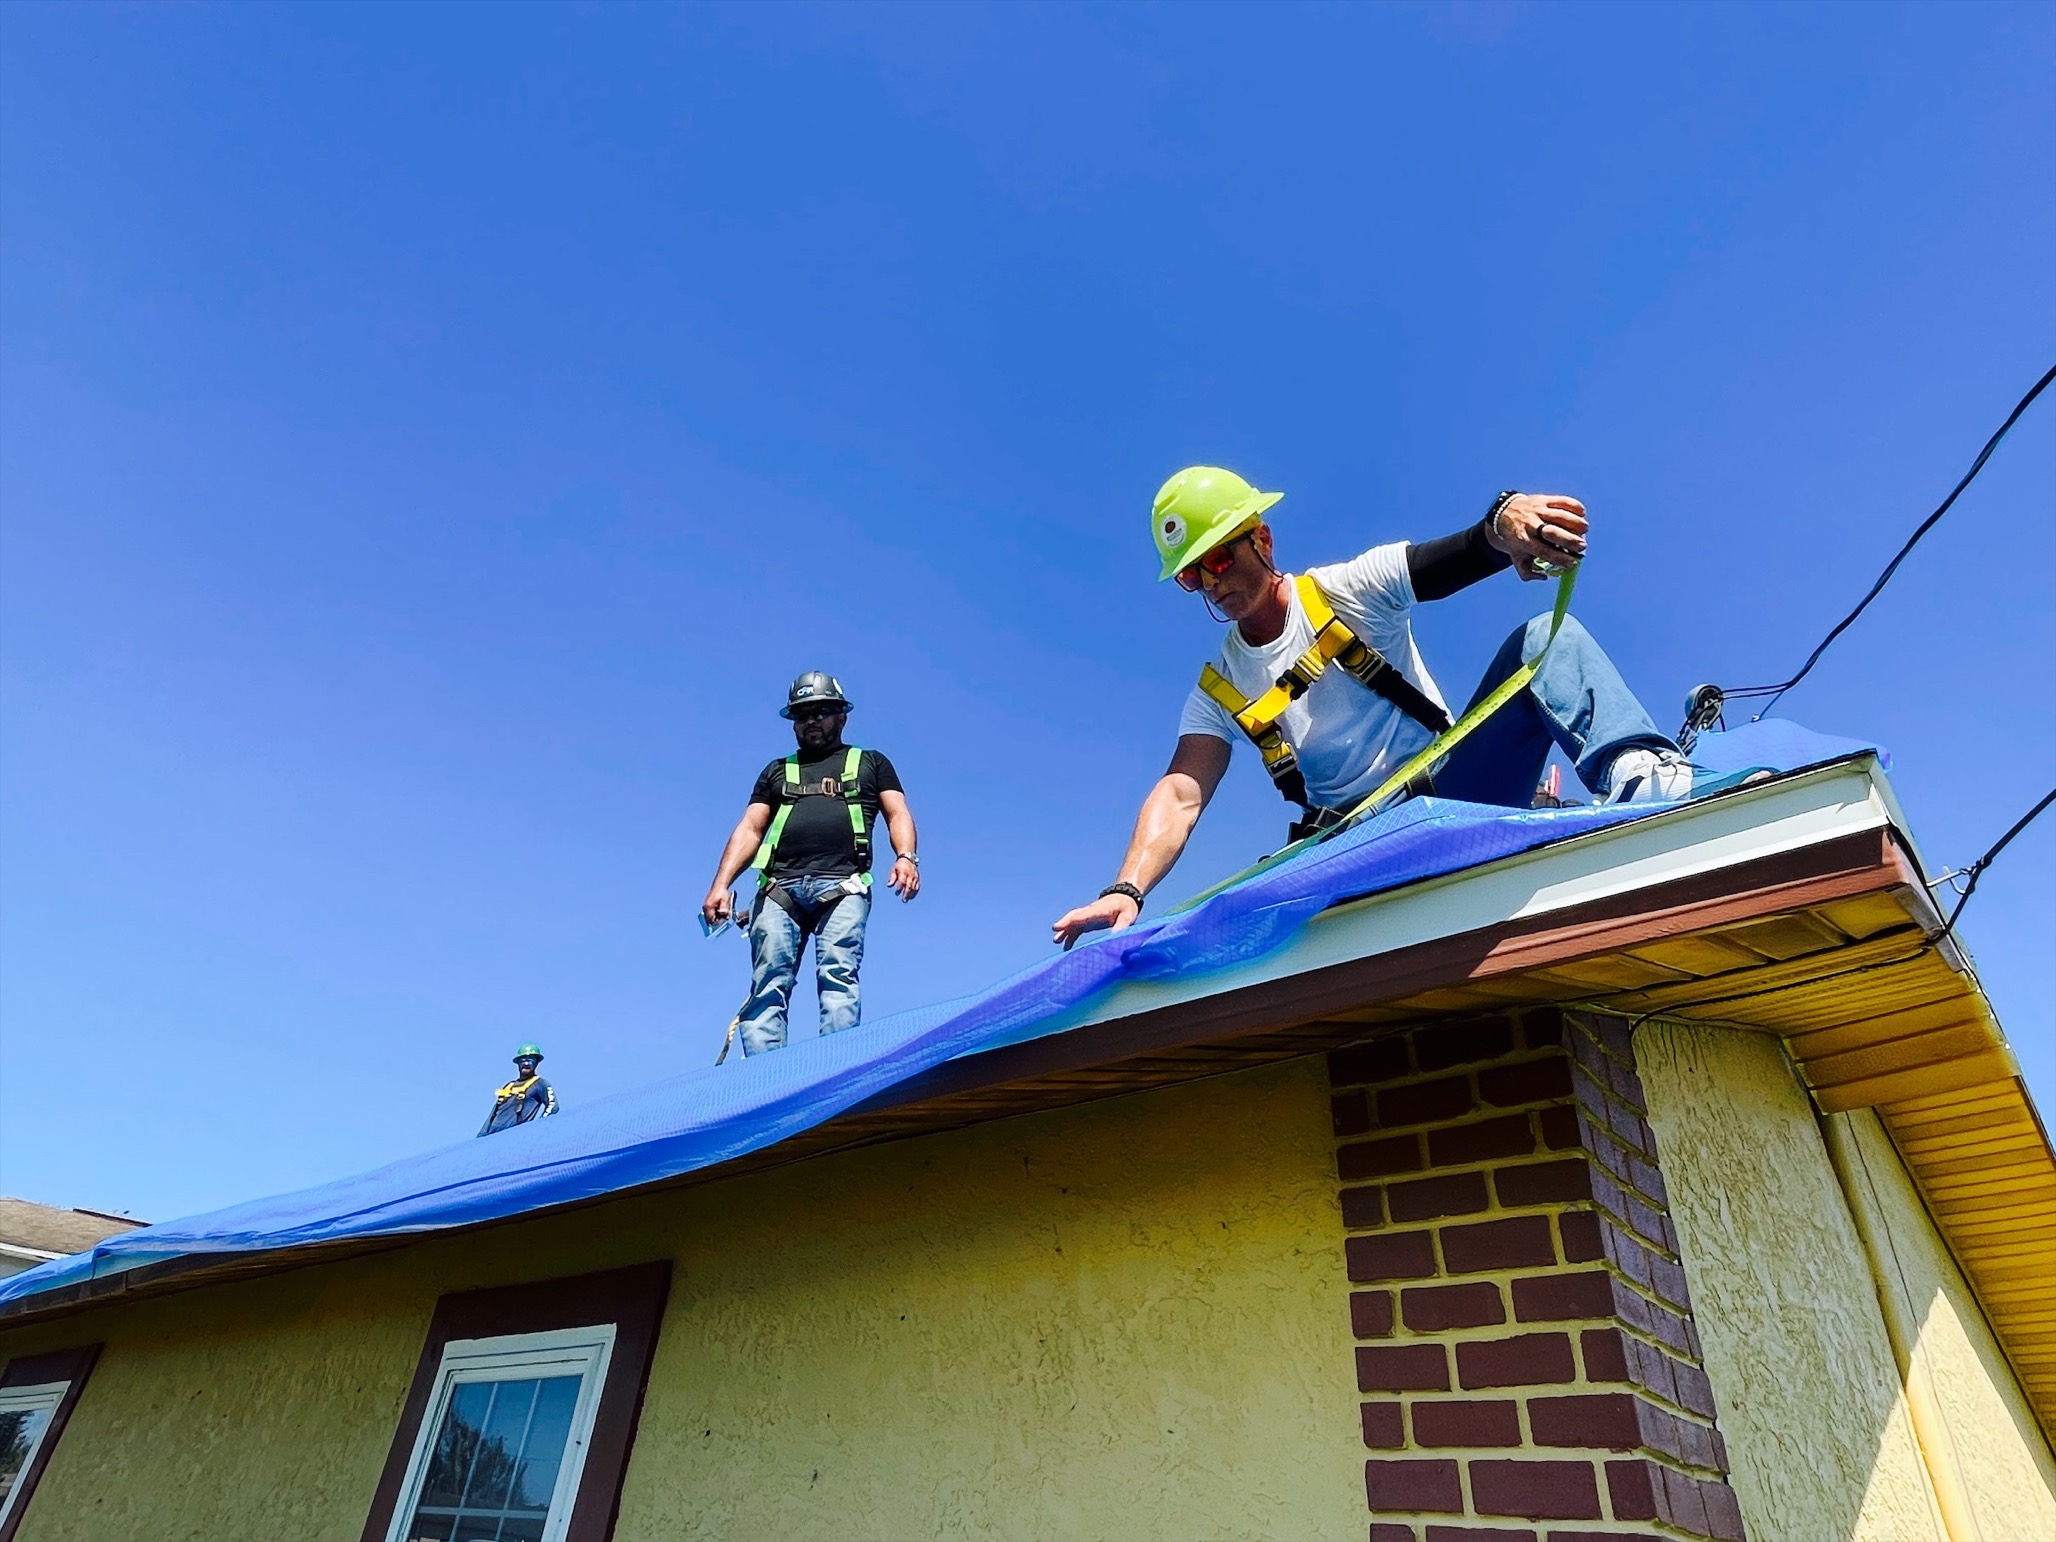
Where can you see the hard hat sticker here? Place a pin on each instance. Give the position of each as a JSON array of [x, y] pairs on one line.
[[1173, 529]]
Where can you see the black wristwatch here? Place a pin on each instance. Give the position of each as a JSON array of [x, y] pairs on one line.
[[1128, 889]]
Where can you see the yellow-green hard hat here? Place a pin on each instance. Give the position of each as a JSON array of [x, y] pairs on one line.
[[1197, 510]]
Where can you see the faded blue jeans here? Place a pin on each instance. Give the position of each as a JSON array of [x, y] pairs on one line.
[[1577, 701], [776, 941]]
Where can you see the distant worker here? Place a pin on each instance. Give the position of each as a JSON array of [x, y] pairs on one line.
[[808, 829], [526, 1097], [1353, 707]]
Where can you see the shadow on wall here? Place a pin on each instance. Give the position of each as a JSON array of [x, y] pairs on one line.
[[1992, 1470], [1813, 1401]]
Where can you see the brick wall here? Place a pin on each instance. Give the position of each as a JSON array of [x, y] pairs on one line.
[[1525, 1347]]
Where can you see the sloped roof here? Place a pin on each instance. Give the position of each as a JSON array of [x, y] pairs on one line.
[[1795, 905], [47, 1229]]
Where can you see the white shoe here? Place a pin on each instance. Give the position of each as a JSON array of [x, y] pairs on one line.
[[1648, 776]]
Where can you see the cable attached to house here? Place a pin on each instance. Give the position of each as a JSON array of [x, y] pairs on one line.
[[1966, 881], [1704, 708]]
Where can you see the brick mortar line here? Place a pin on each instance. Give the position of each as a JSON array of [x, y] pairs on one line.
[[1401, 1332], [1529, 1450], [1497, 1209], [1581, 1385], [1503, 1277]]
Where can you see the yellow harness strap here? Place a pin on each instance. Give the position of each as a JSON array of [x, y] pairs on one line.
[[513, 1089], [1333, 643]]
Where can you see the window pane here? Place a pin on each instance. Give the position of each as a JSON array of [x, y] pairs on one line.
[[456, 1444], [499, 1445], [20, 1429], [548, 1434], [495, 1461]]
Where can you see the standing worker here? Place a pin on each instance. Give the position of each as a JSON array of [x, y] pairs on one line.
[[807, 832], [526, 1097], [1320, 672]]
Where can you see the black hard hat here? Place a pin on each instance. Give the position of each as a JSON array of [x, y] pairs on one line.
[[812, 687]]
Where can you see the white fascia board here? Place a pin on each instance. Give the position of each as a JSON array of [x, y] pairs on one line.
[[1787, 814], [33, 1255]]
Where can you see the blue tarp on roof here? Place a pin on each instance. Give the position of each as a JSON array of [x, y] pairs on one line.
[[709, 1116]]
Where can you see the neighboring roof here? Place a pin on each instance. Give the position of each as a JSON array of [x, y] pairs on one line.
[[46, 1229], [1795, 905]]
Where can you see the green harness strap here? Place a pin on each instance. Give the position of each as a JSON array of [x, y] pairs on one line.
[[845, 787]]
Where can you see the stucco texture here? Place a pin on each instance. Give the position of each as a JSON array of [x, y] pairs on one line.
[[1988, 1434], [1811, 1403], [1123, 1320]]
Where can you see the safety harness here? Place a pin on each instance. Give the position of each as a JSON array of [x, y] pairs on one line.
[[518, 1088], [793, 789], [1335, 644]]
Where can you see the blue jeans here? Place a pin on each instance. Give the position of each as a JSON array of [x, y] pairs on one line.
[[836, 918], [1577, 701]]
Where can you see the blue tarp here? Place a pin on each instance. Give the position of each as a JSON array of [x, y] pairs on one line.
[[709, 1116]]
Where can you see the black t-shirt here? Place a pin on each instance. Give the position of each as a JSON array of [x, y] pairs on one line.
[[817, 841]]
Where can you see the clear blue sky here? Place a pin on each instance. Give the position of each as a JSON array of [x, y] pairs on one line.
[[430, 438]]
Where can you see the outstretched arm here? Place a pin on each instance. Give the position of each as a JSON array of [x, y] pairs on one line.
[[905, 878], [743, 842], [1162, 828]]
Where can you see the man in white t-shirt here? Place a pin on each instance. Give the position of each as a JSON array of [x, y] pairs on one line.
[[1332, 732]]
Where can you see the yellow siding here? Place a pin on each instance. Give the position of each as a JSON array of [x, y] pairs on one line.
[[1989, 1435], [1121, 1320], [1811, 1404]]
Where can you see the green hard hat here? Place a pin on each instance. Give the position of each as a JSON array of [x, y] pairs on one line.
[[1198, 509], [529, 1052]]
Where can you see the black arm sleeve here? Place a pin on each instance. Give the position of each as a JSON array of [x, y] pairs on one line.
[[1448, 563]]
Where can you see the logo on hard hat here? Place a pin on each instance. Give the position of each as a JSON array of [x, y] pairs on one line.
[[1172, 530]]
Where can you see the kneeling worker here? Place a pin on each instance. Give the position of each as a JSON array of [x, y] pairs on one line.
[[1321, 673], [808, 828], [526, 1097]]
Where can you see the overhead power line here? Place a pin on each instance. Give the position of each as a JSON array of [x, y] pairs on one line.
[[1967, 879], [1775, 691]]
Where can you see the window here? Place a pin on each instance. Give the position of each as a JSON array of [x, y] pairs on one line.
[[25, 1415], [37, 1393], [500, 1457], [522, 1413]]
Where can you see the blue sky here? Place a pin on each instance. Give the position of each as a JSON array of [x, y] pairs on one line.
[[430, 438]]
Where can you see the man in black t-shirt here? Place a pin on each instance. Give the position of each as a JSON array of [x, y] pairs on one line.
[[808, 829]]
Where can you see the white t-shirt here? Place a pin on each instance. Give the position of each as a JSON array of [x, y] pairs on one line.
[[1348, 737]]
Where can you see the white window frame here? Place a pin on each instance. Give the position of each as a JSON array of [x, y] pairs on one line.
[[27, 1400], [585, 1352]]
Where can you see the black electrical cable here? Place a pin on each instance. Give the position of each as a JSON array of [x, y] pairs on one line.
[[1971, 874], [1775, 691]]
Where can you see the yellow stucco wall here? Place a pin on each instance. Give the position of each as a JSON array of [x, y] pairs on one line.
[[1987, 1435], [1122, 1320], [1811, 1403], [1812, 1398]]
